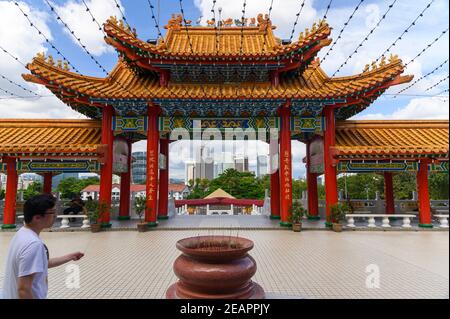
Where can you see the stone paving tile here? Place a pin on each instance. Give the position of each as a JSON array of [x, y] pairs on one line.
[[311, 264]]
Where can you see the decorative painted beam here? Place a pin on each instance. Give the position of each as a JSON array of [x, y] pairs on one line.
[[394, 166], [58, 167], [129, 124], [168, 124], [307, 125]]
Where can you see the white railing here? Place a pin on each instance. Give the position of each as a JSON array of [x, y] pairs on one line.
[[443, 220], [385, 219], [65, 221]]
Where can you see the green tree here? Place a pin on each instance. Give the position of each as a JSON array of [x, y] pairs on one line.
[[2, 194], [298, 187], [239, 184], [438, 183], [359, 186], [71, 187], [198, 188], [404, 185], [33, 189], [321, 191]]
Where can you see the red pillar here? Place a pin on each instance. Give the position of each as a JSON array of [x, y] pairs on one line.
[[9, 214], [274, 181], [389, 193], [106, 169], [331, 194], [163, 203], [313, 200], [152, 167], [424, 195], [125, 186], [47, 189], [285, 166]]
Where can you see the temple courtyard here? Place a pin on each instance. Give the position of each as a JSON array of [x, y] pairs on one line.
[[310, 264]]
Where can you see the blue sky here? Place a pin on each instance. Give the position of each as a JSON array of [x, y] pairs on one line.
[[24, 42]]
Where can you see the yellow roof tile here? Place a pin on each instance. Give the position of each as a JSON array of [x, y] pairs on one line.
[[123, 83], [219, 193], [385, 138], [49, 136], [227, 41]]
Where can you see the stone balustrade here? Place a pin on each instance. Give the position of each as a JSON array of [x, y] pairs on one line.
[[65, 221], [443, 220], [385, 219]]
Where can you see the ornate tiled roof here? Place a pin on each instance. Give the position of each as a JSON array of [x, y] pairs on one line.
[[251, 41], [123, 83], [52, 137], [192, 69], [388, 138]]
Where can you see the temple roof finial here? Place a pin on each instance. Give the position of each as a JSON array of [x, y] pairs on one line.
[[40, 56], [264, 22], [50, 60], [175, 22]]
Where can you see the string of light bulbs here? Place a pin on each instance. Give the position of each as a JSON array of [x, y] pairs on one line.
[[46, 39], [383, 17], [405, 31], [422, 77]]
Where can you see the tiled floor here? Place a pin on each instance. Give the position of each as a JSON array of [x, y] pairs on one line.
[[311, 264]]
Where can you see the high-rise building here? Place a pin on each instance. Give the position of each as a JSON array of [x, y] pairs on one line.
[[206, 168], [262, 165], [190, 172], [241, 163], [220, 168], [139, 167]]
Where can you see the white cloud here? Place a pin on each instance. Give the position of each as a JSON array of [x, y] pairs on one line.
[[433, 108], [427, 28], [80, 21], [283, 14], [434, 20], [21, 40], [43, 108]]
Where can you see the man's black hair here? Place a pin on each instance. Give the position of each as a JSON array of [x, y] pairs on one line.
[[38, 205]]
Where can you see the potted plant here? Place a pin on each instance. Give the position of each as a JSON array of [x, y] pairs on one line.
[[338, 212], [297, 213], [140, 204], [95, 211]]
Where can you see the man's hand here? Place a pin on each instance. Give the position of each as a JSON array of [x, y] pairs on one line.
[[75, 256], [58, 261]]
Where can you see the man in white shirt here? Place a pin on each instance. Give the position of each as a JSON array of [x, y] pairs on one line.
[[28, 259]]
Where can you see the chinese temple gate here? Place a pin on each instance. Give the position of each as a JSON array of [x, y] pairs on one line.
[[224, 77]]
